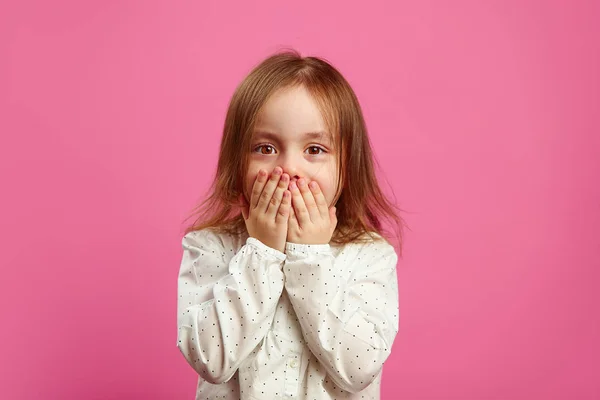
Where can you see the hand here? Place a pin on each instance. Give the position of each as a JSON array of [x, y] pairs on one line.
[[310, 221], [267, 215]]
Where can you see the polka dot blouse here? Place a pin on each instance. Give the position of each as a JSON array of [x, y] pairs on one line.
[[313, 322]]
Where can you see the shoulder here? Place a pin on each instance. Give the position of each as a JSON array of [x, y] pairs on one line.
[[206, 237], [374, 247], [214, 238], [370, 241]]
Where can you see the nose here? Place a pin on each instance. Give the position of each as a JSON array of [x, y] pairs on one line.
[[290, 167]]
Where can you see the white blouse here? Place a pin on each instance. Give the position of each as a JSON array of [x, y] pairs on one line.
[[315, 322]]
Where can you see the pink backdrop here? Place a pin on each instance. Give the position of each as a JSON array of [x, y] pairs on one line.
[[483, 115]]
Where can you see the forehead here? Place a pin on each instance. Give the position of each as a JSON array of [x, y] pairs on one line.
[[291, 114]]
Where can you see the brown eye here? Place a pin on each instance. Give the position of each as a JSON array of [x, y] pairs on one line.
[[265, 147], [317, 148]]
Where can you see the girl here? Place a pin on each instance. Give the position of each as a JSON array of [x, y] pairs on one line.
[[287, 287]]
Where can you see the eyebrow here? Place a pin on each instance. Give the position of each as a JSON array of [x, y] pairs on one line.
[[323, 135]]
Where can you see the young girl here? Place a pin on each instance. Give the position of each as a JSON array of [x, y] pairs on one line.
[[287, 287]]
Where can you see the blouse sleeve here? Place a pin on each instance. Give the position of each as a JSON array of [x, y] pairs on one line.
[[224, 309], [349, 323]]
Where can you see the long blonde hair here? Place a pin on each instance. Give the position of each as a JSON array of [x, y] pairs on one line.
[[361, 205]]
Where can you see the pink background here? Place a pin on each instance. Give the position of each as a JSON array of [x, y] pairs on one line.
[[484, 118]]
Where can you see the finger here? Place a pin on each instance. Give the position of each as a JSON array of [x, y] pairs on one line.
[[319, 199], [257, 188], [300, 210], [293, 220], [284, 209], [275, 201], [309, 201], [267, 192]]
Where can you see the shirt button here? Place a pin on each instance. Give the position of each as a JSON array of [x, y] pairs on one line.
[[293, 363]]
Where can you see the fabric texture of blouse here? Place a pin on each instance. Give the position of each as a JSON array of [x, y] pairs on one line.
[[313, 322]]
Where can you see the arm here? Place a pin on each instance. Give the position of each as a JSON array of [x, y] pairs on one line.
[[224, 309], [349, 323]]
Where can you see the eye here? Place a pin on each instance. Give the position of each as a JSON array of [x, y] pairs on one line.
[[317, 148], [266, 147]]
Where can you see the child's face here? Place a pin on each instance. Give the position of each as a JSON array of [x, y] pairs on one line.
[[280, 140]]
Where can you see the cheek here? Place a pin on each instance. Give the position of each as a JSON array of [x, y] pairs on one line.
[[252, 172], [327, 188], [249, 179]]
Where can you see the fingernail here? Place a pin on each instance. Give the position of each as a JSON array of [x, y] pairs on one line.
[[277, 171], [301, 182], [313, 185], [293, 185]]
